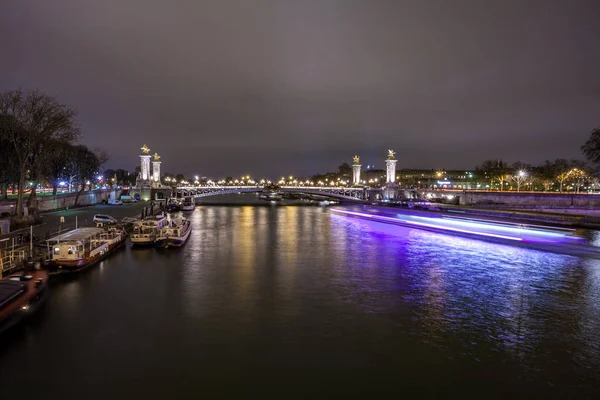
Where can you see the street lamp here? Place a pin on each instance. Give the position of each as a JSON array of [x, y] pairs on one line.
[[519, 179]]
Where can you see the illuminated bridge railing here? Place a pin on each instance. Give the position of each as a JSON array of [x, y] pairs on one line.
[[356, 194], [227, 190]]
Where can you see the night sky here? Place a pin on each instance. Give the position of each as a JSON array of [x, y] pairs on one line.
[[298, 86]]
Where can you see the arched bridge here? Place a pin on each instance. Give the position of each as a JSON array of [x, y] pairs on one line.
[[342, 193]]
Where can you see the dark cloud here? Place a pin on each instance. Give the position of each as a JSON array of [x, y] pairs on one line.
[[294, 87]]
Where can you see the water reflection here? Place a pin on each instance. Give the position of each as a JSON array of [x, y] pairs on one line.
[[502, 298], [281, 294]]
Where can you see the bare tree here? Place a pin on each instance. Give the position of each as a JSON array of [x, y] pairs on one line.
[[547, 184], [578, 176], [9, 172], [562, 178], [101, 155], [594, 183], [519, 178], [30, 121], [591, 148], [85, 165], [56, 163], [501, 179]]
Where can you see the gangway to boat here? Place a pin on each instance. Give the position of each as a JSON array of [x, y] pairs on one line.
[[10, 260]]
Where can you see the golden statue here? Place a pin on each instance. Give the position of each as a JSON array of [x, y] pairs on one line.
[[356, 159], [391, 154], [156, 157], [145, 150]]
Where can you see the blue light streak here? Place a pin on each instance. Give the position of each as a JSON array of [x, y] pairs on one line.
[[428, 225], [500, 228]]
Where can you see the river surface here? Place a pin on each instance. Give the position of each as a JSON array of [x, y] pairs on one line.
[[296, 302]]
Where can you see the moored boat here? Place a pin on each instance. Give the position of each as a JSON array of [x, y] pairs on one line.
[[188, 204], [80, 248], [175, 234], [146, 231], [173, 205], [20, 296], [271, 196]]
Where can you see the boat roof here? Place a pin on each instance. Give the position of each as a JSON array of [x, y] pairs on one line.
[[80, 234], [155, 218], [9, 290]]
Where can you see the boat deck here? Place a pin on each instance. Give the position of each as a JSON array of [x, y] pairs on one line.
[[9, 290]]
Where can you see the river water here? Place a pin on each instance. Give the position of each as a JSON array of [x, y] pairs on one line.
[[296, 302]]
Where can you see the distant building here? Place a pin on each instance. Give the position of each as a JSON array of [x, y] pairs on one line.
[[438, 178]]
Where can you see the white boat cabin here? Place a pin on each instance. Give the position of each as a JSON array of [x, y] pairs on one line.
[[82, 243]]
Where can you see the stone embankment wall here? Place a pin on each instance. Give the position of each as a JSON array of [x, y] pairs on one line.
[[63, 200], [565, 200]]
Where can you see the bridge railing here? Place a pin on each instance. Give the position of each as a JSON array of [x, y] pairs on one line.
[[258, 187], [340, 193], [329, 191], [224, 191]]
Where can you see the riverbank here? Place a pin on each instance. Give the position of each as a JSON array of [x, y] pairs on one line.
[[72, 218], [61, 201]]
